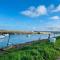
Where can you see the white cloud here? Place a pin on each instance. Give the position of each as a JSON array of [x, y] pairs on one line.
[[41, 10], [55, 17], [34, 12], [54, 28], [57, 9]]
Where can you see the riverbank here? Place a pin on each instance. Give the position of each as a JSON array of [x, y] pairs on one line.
[[36, 50]]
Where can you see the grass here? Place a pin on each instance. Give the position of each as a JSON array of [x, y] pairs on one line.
[[35, 51]]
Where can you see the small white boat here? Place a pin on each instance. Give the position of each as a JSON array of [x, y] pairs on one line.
[[6, 34], [29, 35], [2, 36]]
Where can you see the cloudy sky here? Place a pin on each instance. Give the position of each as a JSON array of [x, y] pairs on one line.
[[29, 15]]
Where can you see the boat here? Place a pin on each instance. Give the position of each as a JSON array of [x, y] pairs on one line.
[[2, 36], [6, 34]]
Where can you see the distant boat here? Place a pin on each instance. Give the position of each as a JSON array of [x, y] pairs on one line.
[[6, 34], [2, 36], [28, 35]]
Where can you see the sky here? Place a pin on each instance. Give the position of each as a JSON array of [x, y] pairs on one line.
[[30, 15]]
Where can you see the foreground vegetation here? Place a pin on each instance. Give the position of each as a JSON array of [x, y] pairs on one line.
[[43, 50]]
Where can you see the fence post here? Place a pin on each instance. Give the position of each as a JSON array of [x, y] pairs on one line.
[[48, 36], [8, 40]]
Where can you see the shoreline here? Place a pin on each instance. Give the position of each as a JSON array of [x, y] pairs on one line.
[[43, 49], [25, 44]]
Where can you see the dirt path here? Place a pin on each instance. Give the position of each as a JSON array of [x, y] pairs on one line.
[[58, 58]]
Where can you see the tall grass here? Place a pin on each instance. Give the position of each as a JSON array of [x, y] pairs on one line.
[[35, 51]]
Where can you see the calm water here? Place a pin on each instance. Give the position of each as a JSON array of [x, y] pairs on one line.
[[22, 38]]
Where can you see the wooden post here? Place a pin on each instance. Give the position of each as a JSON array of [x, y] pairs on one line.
[[54, 34], [8, 40], [40, 37], [48, 36]]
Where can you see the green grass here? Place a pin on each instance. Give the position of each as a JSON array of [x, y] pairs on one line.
[[35, 51]]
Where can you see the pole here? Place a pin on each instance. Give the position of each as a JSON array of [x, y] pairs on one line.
[[54, 34], [8, 40], [48, 36]]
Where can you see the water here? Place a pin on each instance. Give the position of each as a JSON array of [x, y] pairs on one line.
[[22, 38]]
